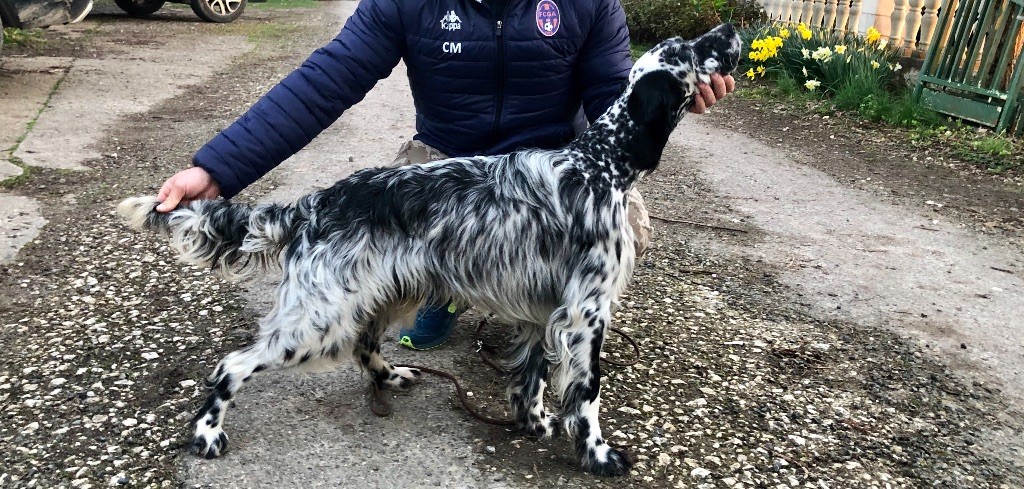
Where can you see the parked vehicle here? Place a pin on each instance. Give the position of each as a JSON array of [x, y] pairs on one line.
[[208, 10], [42, 13]]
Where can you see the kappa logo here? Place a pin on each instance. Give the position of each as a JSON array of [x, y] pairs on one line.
[[451, 21]]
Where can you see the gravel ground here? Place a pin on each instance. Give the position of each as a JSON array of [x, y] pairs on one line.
[[106, 337], [739, 389]]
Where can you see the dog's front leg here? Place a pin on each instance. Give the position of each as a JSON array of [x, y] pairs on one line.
[[578, 377]]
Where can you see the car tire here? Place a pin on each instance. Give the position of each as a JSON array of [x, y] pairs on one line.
[[140, 8], [219, 11]]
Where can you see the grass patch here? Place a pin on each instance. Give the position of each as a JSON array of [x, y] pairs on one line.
[[994, 153], [271, 32], [637, 49], [257, 33], [788, 86], [755, 92], [14, 36], [26, 170], [26, 174], [272, 4], [785, 89], [994, 145]]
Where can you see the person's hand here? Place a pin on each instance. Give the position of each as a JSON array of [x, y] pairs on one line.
[[186, 186], [709, 94]]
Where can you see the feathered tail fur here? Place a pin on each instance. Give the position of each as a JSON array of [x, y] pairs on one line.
[[239, 241]]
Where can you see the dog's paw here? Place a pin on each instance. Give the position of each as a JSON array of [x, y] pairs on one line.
[[545, 426], [209, 442], [402, 378], [607, 461]]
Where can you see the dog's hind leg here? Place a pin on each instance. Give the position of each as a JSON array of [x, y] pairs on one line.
[[366, 351], [303, 327], [528, 366], [234, 370], [576, 336]]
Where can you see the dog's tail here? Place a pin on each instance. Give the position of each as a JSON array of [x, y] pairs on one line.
[[238, 241]]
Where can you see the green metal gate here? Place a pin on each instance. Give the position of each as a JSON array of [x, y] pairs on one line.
[[975, 65]]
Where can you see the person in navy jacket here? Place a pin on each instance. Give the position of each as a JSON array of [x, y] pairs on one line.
[[487, 77]]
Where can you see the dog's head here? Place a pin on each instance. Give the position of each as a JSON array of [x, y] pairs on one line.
[[663, 82], [689, 61]]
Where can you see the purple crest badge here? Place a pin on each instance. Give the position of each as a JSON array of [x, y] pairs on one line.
[[548, 20]]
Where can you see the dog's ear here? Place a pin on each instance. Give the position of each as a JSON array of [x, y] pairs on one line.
[[654, 105], [718, 50]]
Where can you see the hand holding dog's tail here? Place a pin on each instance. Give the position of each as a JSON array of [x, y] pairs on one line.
[[239, 241]]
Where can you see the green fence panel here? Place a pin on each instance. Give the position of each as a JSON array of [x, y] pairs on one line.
[[974, 67]]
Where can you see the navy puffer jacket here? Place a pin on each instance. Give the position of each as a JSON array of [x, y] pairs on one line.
[[487, 78]]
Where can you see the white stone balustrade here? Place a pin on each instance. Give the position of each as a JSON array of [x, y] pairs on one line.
[[908, 24]]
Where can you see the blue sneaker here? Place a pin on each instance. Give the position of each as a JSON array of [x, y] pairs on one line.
[[434, 325]]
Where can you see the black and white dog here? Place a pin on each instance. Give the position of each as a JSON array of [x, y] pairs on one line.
[[538, 238]]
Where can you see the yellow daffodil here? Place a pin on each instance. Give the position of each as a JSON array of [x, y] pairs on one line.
[[765, 49], [784, 33], [760, 70], [840, 48], [875, 65], [805, 33], [812, 84], [872, 35], [750, 73]]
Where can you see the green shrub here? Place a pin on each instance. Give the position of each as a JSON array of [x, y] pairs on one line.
[[743, 13], [652, 21]]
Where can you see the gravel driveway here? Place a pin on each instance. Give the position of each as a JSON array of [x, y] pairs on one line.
[[786, 346]]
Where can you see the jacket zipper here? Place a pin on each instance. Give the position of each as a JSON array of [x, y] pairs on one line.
[[500, 73]]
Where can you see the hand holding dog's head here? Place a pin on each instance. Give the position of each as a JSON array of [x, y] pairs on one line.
[[677, 65], [718, 50], [663, 85]]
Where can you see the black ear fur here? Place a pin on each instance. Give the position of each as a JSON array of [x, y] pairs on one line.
[[653, 105], [718, 44]]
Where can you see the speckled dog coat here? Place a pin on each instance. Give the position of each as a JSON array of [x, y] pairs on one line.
[[538, 238]]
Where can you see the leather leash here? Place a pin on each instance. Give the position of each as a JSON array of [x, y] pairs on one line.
[[381, 405]]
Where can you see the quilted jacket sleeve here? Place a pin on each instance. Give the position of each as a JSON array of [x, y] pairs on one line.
[[604, 61], [308, 100]]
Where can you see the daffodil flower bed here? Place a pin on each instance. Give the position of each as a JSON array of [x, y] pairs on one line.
[[820, 60], [849, 72]]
